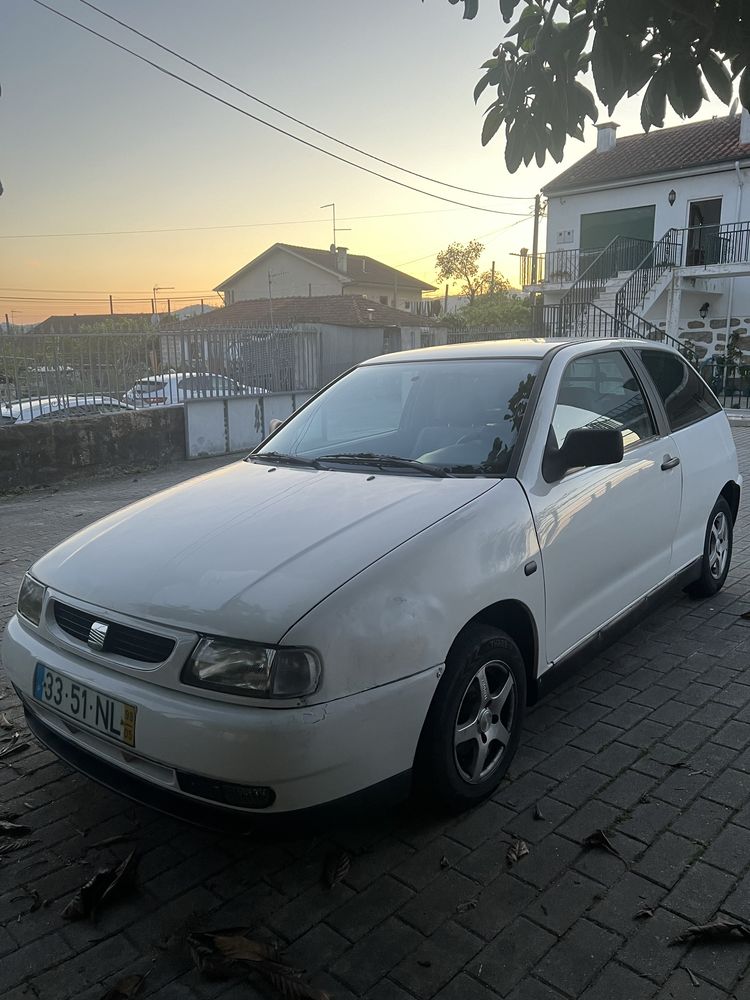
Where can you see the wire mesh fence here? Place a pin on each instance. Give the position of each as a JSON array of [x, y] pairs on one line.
[[45, 376]]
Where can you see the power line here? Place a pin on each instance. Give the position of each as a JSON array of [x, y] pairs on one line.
[[297, 121], [203, 229], [482, 236], [262, 121]]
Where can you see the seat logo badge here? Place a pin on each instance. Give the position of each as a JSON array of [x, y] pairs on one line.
[[98, 636]]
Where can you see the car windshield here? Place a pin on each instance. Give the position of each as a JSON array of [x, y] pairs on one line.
[[461, 417]]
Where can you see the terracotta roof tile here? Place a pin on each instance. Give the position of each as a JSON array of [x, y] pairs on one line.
[[334, 310], [696, 144]]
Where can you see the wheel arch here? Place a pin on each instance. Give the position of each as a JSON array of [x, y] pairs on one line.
[[514, 618], [731, 493]]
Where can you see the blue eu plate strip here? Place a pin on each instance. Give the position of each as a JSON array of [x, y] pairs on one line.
[[38, 680]]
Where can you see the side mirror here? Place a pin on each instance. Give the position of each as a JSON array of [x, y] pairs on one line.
[[582, 448]]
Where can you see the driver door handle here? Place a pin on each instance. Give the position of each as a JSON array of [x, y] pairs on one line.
[[669, 463]]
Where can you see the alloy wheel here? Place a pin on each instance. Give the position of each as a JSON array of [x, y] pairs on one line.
[[718, 545], [484, 721]]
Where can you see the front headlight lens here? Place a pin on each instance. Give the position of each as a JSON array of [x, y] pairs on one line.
[[30, 599], [255, 671]]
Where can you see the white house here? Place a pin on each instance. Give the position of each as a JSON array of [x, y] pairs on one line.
[[284, 271], [653, 229]]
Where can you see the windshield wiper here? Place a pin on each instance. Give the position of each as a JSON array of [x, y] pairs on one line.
[[280, 458], [386, 462]]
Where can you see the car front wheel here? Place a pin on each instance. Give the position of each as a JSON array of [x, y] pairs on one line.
[[474, 723], [717, 552]]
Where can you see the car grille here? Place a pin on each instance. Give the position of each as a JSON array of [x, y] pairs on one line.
[[121, 640]]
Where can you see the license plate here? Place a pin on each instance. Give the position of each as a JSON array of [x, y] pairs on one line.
[[106, 715]]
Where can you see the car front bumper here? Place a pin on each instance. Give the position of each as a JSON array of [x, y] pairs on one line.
[[307, 756]]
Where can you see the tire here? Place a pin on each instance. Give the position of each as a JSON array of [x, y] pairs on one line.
[[717, 552], [484, 670]]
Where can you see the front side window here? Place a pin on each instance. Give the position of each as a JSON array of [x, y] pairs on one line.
[[601, 390], [685, 395], [461, 417]]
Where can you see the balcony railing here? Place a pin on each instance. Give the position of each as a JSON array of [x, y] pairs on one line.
[[559, 267]]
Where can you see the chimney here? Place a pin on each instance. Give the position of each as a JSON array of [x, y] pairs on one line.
[[606, 136], [341, 259], [745, 127]]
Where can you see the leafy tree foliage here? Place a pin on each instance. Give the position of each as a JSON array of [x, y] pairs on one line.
[[498, 311], [459, 262], [672, 50]]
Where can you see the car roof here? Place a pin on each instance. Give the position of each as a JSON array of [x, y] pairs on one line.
[[537, 347], [21, 406]]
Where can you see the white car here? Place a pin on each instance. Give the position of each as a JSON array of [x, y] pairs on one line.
[[58, 407], [164, 390], [375, 594]]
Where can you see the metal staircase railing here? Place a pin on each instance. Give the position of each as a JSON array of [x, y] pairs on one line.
[[667, 253]]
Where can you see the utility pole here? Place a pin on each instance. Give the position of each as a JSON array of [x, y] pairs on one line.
[[492, 279], [445, 305], [111, 307], [535, 241], [270, 295], [7, 324]]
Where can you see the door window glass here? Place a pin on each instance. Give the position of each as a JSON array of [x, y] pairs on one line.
[[685, 395], [600, 390]]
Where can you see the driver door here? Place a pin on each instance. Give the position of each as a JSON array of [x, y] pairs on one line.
[[605, 532]]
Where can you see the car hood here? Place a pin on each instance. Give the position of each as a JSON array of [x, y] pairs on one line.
[[249, 549]]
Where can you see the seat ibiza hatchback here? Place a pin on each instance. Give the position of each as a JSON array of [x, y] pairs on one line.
[[374, 596]]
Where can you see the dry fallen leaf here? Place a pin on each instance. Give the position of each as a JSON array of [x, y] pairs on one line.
[[470, 904], [336, 868], [5, 722], [424, 963], [693, 978], [728, 930], [125, 989], [15, 745], [600, 839], [645, 913], [8, 829], [106, 886], [8, 846], [517, 850], [289, 986], [444, 862], [215, 953], [538, 814]]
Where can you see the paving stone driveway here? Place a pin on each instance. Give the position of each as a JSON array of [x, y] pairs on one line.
[[651, 742]]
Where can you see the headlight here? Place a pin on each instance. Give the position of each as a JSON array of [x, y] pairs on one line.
[[255, 671], [30, 598]]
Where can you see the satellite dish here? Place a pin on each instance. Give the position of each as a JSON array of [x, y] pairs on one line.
[[733, 109]]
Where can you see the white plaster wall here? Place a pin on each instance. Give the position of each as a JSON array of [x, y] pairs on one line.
[[289, 276]]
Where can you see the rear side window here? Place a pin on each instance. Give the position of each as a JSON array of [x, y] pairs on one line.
[[685, 395]]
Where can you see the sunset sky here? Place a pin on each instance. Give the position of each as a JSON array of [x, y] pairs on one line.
[[95, 141]]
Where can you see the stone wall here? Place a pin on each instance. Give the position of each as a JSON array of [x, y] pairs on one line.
[[709, 335], [46, 453]]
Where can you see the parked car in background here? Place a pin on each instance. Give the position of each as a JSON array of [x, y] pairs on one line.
[[23, 411], [376, 593], [164, 390]]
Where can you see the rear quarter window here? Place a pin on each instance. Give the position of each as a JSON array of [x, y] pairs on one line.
[[685, 395]]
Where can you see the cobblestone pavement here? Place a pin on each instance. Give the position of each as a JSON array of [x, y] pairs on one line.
[[651, 741]]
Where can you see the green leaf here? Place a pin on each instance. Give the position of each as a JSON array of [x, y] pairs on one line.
[[685, 90], [506, 9], [493, 121], [471, 8], [654, 104], [514, 146], [717, 77], [481, 86], [607, 66]]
